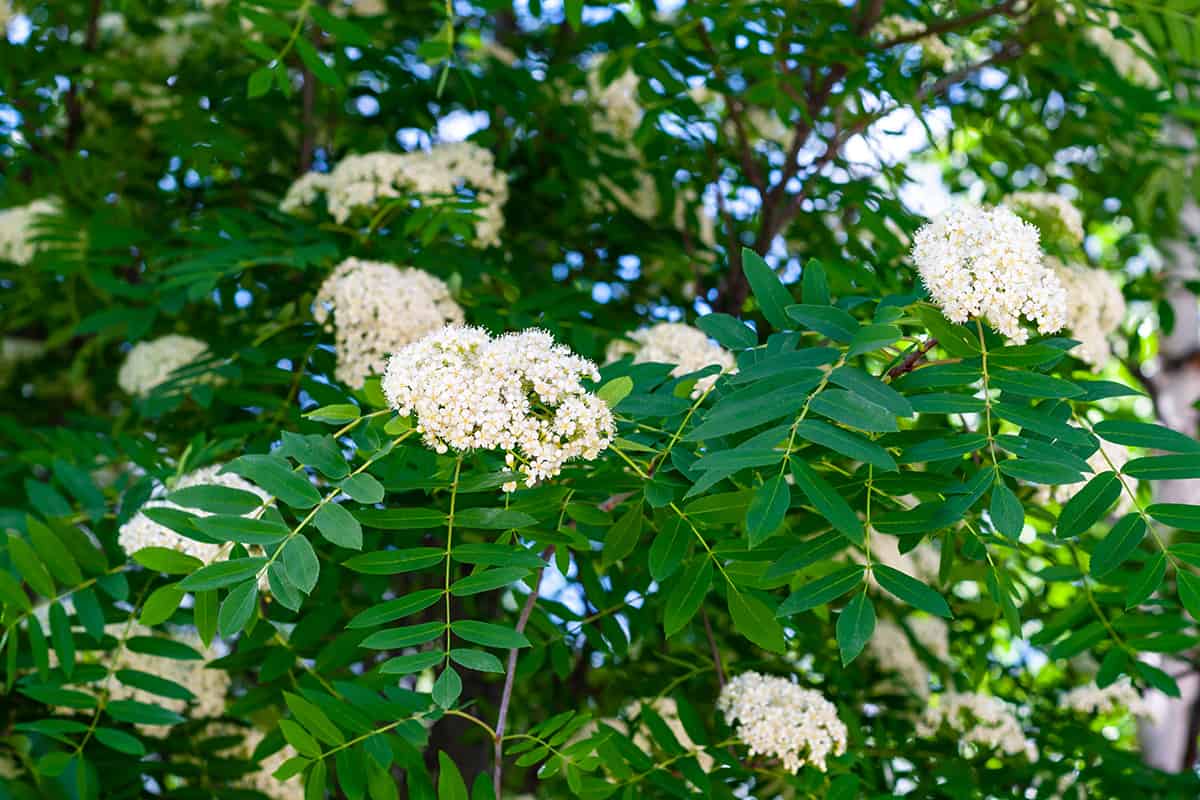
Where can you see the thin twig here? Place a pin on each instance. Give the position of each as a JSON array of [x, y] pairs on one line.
[[510, 677], [910, 363]]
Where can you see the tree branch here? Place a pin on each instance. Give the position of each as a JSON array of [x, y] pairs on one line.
[[74, 105], [1008, 8]]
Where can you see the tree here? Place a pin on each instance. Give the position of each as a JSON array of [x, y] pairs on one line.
[[593, 400]]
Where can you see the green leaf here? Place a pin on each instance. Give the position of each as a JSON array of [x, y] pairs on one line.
[[821, 591], [853, 411], [911, 591], [274, 475], [477, 660], [154, 684], [401, 519], [161, 604], [827, 501], [772, 296], [136, 713], [166, 560], [729, 331], [855, 625], [259, 82], [314, 719], [1163, 468], [487, 580], [450, 782], [1188, 584], [1176, 515], [312, 59], [60, 636], [394, 562], [237, 608], [495, 554], [488, 634], [767, 509], [668, 548], [404, 636], [814, 283], [845, 443], [1116, 548], [120, 741], [29, 566], [1006, 511], [871, 388], [1032, 384], [299, 738], [346, 31], [753, 619], [870, 338], [244, 530], [53, 553], [954, 339], [1147, 581], [447, 688], [300, 563], [494, 519], [204, 614], [11, 593], [1089, 504], [685, 597], [363, 488], [222, 573], [410, 664], [1147, 435], [616, 390], [828, 321], [216, 499], [336, 414], [391, 610], [337, 525], [622, 537]]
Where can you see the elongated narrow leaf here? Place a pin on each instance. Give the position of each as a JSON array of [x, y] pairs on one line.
[[772, 296], [828, 321], [755, 620], [827, 501], [855, 625], [1147, 435], [911, 591], [222, 573], [1087, 506], [767, 509], [686, 595], [822, 590]]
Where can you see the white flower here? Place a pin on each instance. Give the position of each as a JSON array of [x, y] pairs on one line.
[[891, 649], [362, 182], [1096, 309], [776, 717], [1118, 696], [933, 48], [378, 308], [986, 263], [151, 363], [1126, 55], [1048, 207], [519, 392], [978, 721], [616, 108], [141, 531], [688, 348], [17, 229]]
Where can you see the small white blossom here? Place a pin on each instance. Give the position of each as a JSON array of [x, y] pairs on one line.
[[891, 649], [616, 110], [1119, 696], [362, 182], [141, 531], [776, 717], [688, 348], [378, 308], [1050, 212], [151, 363], [987, 263], [18, 227], [933, 48], [977, 721], [1096, 310], [518, 392]]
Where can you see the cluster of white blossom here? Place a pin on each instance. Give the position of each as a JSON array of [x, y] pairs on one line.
[[141, 531], [14, 351], [668, 710], [1053, 214], [933, 48], [363, 181], [1096, 310], [616, 110], [776, 717], [518, 392], [378, 308], [1126, 55], [688, 348], [17, 229], [359, 8], [1119, 696], [987, 263], [891, 649], [978, 721], [150, 364]]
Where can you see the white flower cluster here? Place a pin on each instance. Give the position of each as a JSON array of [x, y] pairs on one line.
[[378, 308], [518, 392], [140, 531], [776, 717], [1096, 310], [1041, 208], [616, 108], [891, 649], [978, 721], [1126, 55], [150, 364], [933, 47], [987, 263], [17, 229], [688, 348], [363, 181], [1119, 696]]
